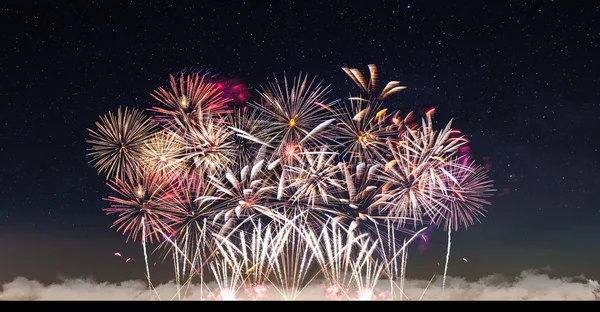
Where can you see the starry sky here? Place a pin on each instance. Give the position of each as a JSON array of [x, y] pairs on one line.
[[519, 78]]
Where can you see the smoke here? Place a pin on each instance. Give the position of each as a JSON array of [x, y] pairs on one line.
[[529, 285]]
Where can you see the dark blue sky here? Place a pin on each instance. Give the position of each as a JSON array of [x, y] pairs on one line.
[[520, 78]]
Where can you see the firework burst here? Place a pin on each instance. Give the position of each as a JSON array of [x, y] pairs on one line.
[[363, 130], [249, 137], [295, 113], [188, 99], [163, 152], [468, 188], [208, 147], [140, 201], [369, 87], [313, 178], [118, 141]]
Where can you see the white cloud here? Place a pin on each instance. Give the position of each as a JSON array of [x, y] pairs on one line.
[[529, 285]]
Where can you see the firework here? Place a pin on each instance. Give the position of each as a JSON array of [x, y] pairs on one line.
[[140, 207], [369, 87], [363, 130], [366, 270], [243, 194], [227, 267], [292, 258], [468, 188], [249, 137], [163, 152], [258, 251], [279, 193], [313, 177], [141, 201], [414, 178], [296, 114], [356, 195], [208, 147], [333, 248], [188, 99], [118, 141], [194, 199]]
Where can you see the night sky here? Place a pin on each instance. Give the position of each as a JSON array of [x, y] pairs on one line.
[[519, 78]]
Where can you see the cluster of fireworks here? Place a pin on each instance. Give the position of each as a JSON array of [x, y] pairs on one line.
[[278, 192]]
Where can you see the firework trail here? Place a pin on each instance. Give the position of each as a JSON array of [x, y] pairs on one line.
[[292, 258], [402, 272], [256, 253], [447, 256], [366, 270], [146, 253]]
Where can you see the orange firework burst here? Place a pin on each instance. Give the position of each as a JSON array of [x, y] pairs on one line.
[[370, 87], [414, 176], [118, 141]]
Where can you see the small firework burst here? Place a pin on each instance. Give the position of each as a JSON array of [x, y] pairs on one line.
[[208, 146], [363, 130], [313, 178], [163, 152], [140, 201], [118, 141], [188, 99], [370, 87], [243, 194], [468, 189], [249, 137], [295, 113]]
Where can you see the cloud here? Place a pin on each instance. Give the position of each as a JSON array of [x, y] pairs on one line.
[[529, 285]]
